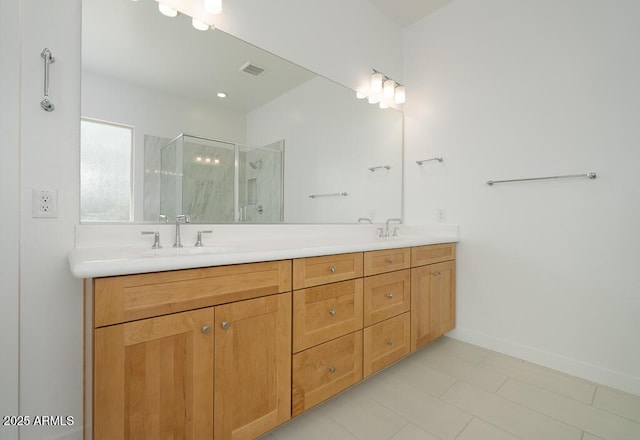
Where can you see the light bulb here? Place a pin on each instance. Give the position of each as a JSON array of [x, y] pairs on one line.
[[360, 95], [166, 10], [376, 82], [201, 26], [389, 86], [400, 96], [374, 98], [221, 95], [213, 6], [383, 104]]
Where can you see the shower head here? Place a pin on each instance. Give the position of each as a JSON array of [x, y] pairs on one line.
[[255, 165]]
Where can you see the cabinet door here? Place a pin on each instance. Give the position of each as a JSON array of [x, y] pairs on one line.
[[252, 366], [432, 302], [154, 378]]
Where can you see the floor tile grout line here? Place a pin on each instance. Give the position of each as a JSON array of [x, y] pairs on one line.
[[593, 397], [480, 418], [596, 408], [407, 421], [552, 417], [465, 427]]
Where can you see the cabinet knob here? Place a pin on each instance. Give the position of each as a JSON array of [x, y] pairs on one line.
[[437, 273], [332, 369], [390, 341], [225, 324], [332, 312], [390, 295], [332, 269], [206, 329], [390, 260]]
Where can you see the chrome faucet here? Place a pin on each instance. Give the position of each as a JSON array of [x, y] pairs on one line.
[[199, 240], [386, 227], [182, 218], [156, 238]]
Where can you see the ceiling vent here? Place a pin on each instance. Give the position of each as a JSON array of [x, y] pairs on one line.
[[251, 69]]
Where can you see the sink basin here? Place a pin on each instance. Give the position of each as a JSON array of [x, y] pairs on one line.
[[180, 252]]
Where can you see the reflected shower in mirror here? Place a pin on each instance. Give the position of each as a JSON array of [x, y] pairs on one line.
[[161, 77], [212, 180]]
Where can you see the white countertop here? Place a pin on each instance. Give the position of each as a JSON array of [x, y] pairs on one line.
[[94, 257]]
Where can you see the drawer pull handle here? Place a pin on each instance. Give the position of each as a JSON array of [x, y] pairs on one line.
[[437, 273], [332, 369], [389, 341], [332, 269], [206, 329], [389, 260], [332, 312], [390, 295], [225, 324]]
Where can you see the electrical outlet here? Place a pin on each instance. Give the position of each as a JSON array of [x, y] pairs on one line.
[[441, 215], [44, 203]]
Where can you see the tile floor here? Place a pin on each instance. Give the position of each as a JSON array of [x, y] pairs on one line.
[[453, 390]]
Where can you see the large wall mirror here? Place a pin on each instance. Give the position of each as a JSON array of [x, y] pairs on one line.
[[283, 146]]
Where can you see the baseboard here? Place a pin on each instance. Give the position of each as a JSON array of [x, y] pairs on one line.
[[573, 367]]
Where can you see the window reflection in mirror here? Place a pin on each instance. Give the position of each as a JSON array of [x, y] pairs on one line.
[[106, 171]]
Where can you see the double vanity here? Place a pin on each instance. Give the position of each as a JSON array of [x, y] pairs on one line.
[[236, 338]]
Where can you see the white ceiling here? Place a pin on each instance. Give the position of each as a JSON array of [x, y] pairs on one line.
[[406, 12]]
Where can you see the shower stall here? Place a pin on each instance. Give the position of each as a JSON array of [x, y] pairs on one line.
[[215, 181]]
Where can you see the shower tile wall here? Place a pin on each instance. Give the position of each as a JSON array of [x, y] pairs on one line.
[[207, 185], [262, 192]]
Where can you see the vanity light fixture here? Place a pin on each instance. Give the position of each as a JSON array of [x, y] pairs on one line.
[[383, 91], [389, 88], [201, 16], [200, 25], [399, 96], [213, 6], [167, 10], [376, 81]]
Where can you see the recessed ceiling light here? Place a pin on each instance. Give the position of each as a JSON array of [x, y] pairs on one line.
[[221, 95]]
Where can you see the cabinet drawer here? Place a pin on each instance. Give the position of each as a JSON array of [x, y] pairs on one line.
[[326, 312], [314, 271], [388, 260], [323, 371], [132, 297], [386, 342], [386, 295], [435, 253]]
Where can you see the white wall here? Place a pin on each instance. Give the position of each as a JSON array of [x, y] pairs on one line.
[[504, 89], [333, 157], [9, 201], [50, 299], [46, 145]]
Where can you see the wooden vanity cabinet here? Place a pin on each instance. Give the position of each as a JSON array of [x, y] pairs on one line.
[[387, 301], [221, 371], [327, 323], [433, 278], [252, 366], [154, 378], [230, 352]]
